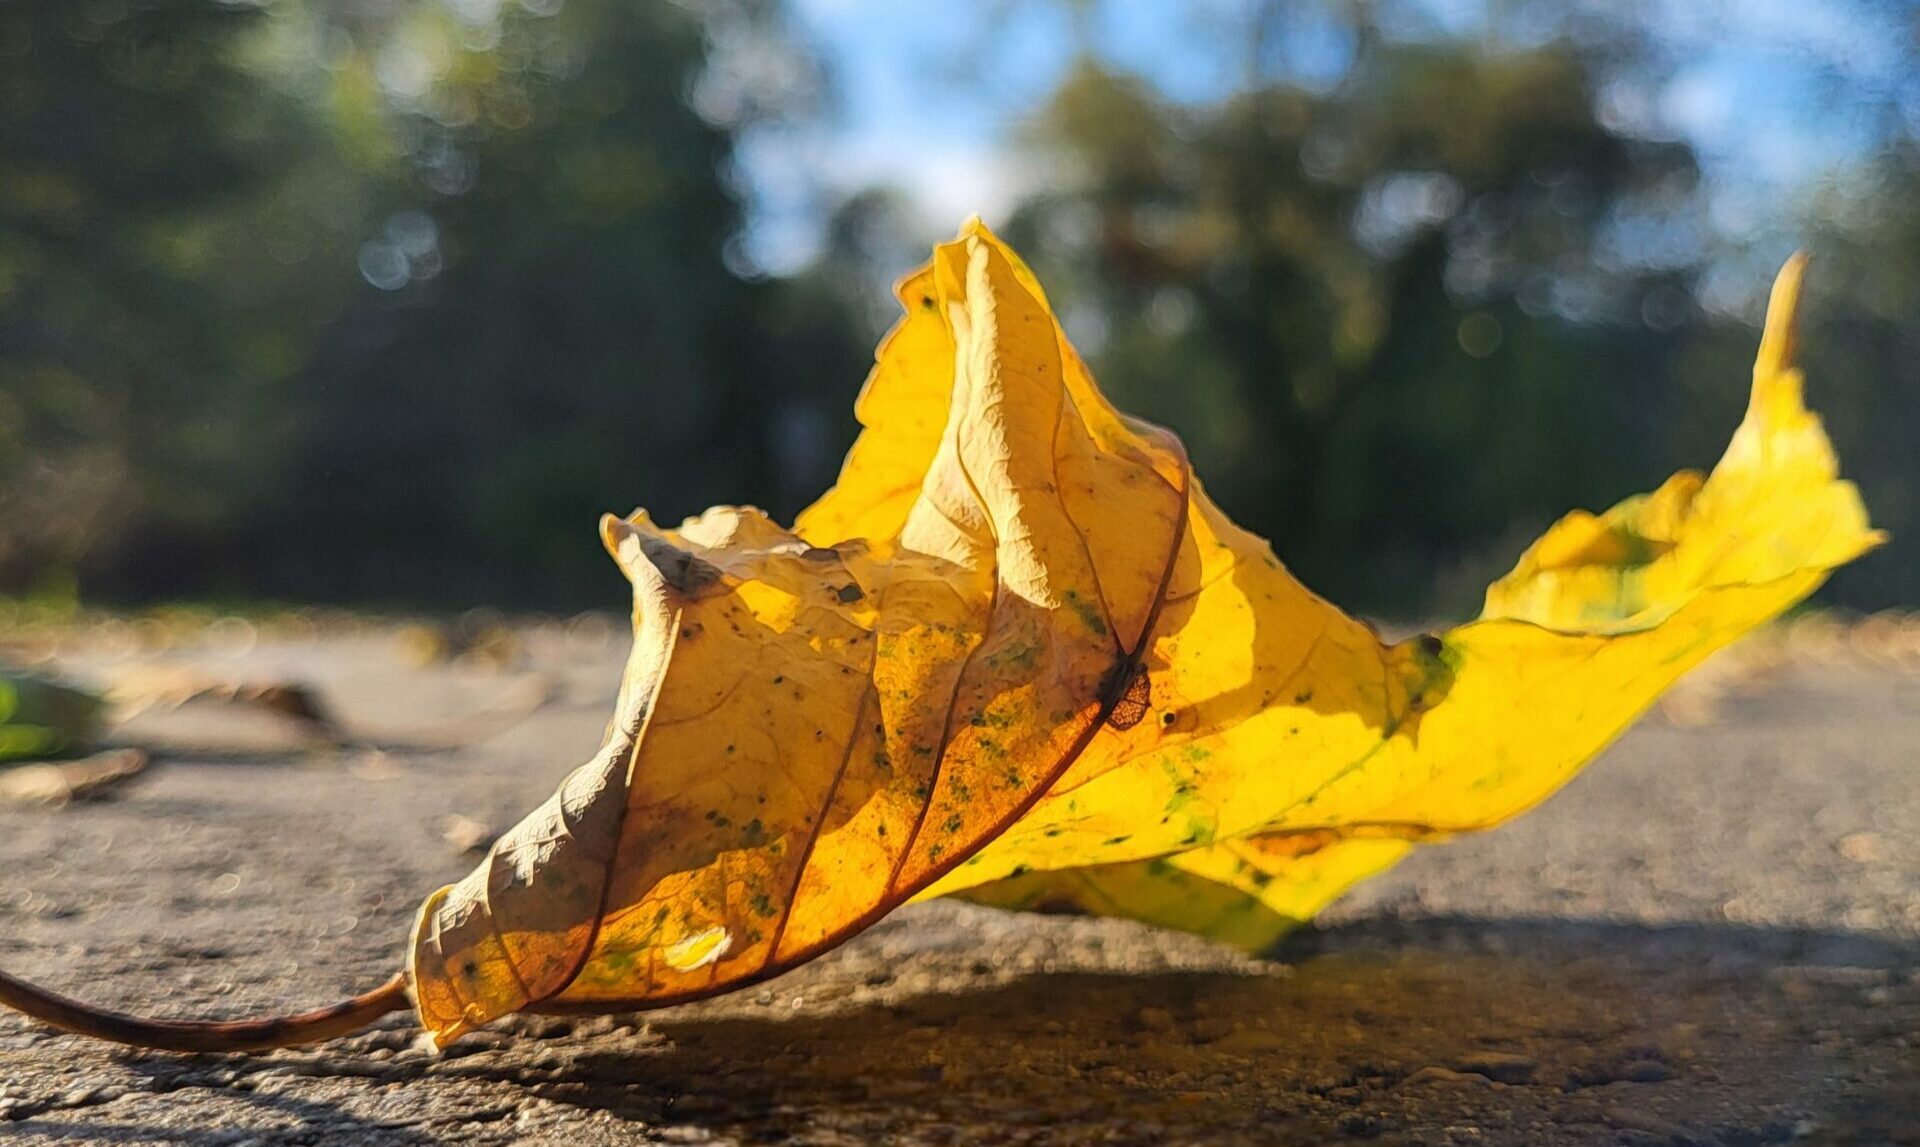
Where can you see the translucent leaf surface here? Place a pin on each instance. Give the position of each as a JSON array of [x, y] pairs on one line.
[[1016, 652], [813, 729]]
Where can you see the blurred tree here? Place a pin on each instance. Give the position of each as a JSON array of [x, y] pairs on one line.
[[551, 331], [133, 361], [1863, 350], [373, 301], [363, 300], [1382, 311]]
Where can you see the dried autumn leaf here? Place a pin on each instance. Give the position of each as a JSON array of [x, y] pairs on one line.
[[142, 688], [58, 782], [1016, 653], [809, 734]]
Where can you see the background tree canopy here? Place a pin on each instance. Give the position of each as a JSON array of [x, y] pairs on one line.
[[384, 303]]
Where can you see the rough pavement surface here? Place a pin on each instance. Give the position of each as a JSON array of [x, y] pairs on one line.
[[1710, 937]]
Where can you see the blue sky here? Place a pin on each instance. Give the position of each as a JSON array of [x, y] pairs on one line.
[[933, 106]]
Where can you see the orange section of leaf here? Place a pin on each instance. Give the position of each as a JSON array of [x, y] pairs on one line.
[[808, 734]]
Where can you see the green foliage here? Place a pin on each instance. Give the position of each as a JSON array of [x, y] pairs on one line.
[[1382, 305], [1864, 342], [584, 347], [383, 302], [131, 356], [388, 302], [41, 719]]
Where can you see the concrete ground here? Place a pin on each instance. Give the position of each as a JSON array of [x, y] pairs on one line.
[[1713, 936]]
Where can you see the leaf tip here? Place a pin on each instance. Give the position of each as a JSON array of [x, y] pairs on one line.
[[648, 556], [1779, 338], [615, 532]]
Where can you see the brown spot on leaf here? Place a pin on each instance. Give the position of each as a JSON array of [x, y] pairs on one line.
[[1134, 703], [690, 576], [1296, 844]]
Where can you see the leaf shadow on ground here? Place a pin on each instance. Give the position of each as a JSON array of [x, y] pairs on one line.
[[945, 1027], [1534, 1031]]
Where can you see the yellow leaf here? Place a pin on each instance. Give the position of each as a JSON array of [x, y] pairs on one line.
[[1248, 892], [1276, 714], [1017, 642], [1017, 653]]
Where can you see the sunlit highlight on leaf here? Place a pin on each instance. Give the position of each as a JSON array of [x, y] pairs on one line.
[[1017, 653]]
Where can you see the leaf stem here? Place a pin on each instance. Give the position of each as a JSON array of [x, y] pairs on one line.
[[214, 1036]]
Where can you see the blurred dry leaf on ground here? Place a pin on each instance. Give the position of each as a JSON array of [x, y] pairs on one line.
[[56, 783], [142, 687]]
